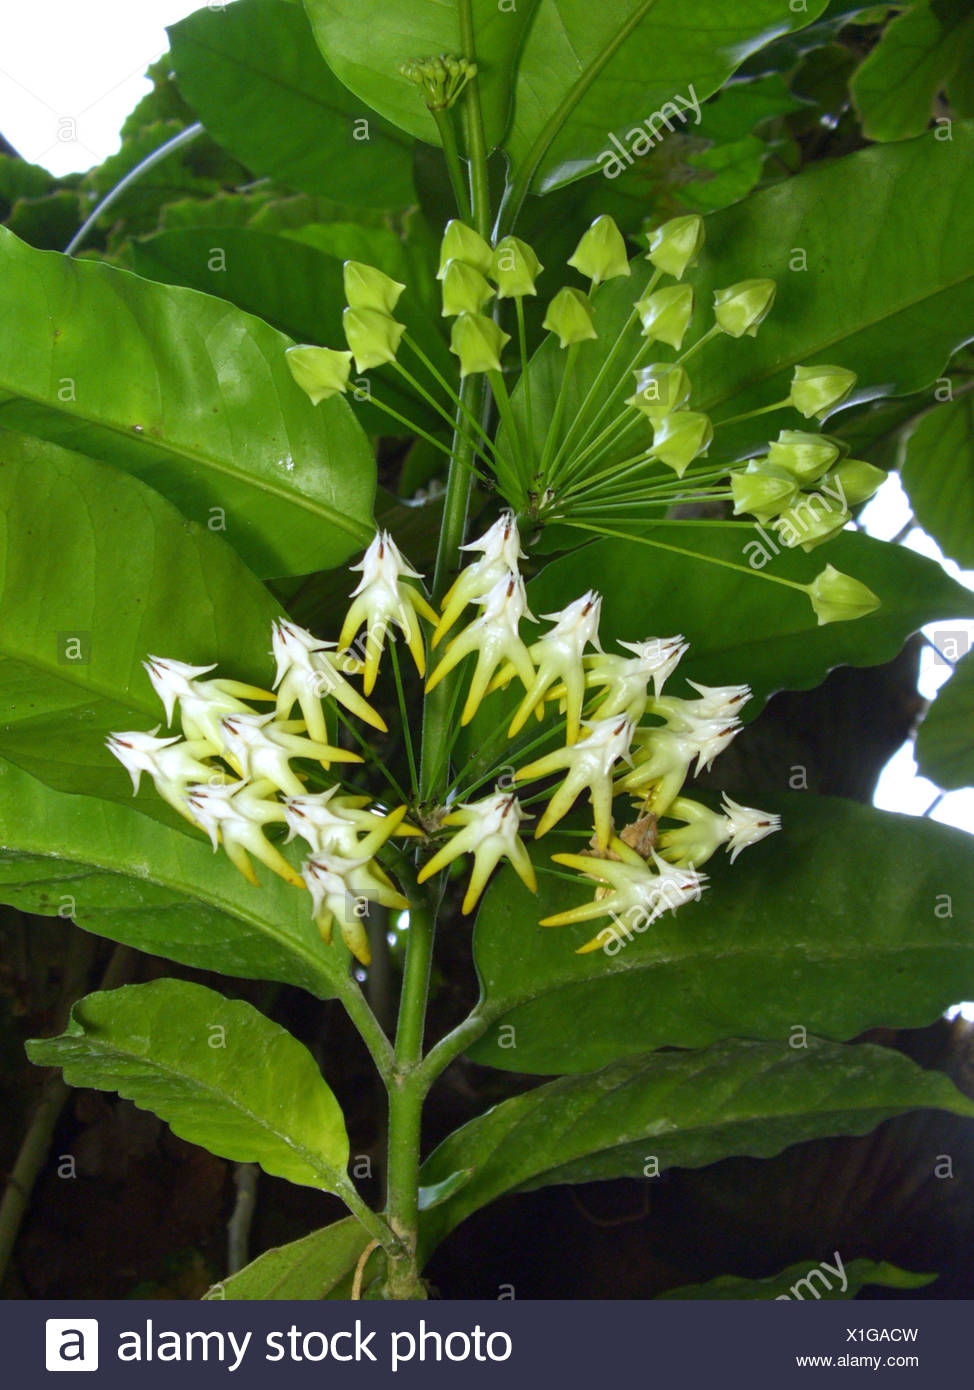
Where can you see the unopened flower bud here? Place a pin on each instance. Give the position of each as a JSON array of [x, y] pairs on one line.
[[817, 390], [742, 308], [601, 253], [570, 316], [514, 268], [462, 243], [680, 438], [373, 337], [762, 490], [857, 479], [675, 246], [811, 521], [660, 389], [321, 372], [369, 288], [805, 456], [666, 314], [465, 290], [478, 342], [838, 598]]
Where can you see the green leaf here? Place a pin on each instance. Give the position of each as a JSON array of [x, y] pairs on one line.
[[365, 42], [253, 76], [684, 1109], [298, 288], [316, 1266], [888, 290], [218, 1072], [806, 1280], [96, 572], [945, 742], [190, 394], [896, 86], [798, 931], [938, 474], [586, 74], [767, 634], [160, 889]]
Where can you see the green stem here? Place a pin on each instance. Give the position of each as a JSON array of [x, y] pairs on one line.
[[448, 138], [522, 339], [554, 424], [442, 381], [474, 128], [691, 554], [404, 716], [590, 394], [753, 414], [377, 1228], [505, 410]]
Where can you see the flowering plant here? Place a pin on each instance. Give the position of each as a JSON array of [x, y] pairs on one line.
[[488, 751]]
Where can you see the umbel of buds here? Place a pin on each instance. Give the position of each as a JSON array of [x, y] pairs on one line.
[[441, 79], [257, 781]]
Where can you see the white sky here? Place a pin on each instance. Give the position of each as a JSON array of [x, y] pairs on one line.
[[70, 72]]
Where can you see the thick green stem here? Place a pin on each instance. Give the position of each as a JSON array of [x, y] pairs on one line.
[[444, 124]]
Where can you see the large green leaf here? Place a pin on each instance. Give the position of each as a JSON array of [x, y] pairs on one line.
[[886, 237], [683, 1109], [318, 1265], [254, 77], [298, 287], [585, 74], [945, 742], [188, 393], [938, 474], [217, 1071], [151, 886], [807, 1280], [365, 42], [96, 572], [132, 577], [918, 54], [802, 930]]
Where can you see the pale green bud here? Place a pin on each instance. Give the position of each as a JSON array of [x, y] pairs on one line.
[[858, 480], [660, 389], [442, 78], [368, 288], [601, 253], [743, 307], [374, 337], [680, 438], [817, 390], [812, 520], [762, 490], [462, 243], [570, 316], [838, 598], [514, 268], [465, 290], [478, 342], [321, 372], [675, 246], [666, 314], [805, 456]]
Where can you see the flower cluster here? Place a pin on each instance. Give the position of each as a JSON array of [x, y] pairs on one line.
[[242, 775]]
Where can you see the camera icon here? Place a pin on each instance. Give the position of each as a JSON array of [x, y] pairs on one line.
[[71, 1344]]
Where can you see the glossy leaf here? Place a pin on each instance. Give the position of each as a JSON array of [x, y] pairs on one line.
[[254, 77], [938, 474], [585, 74], [218, 1072], [296, 285], [798, 931], [807, 1280], [365, 42], [685, 1110], [895, 88], [318, 1265], [157, 888], [886, 238], [189, 394], [124, 575], [945, 742]]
